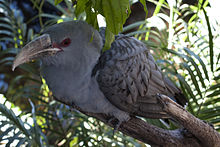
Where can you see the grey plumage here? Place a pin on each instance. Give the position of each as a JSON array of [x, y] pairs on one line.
[[129, 77], [120, 82]]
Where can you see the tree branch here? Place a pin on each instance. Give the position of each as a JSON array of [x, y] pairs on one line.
[[197, 133], [205, 133]]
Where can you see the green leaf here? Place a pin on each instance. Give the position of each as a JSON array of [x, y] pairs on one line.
[[211, 101], [200, 61], [210, 39], [133, 25], [109, 38], [21, 142], [59, 7], [38, 134], [15, 137], [217, 78], [200, 2], [158, 7], [188, 88], [97, 5], [116, 12], [215, 87], [218, 58], [8, 33], [7, 26], [5, 20], [57, 2], [190, 59], [215, 93], [9, 39], [6, 8], [210, 112], [13, 118], [193, 77], [80, 7], [143, 2], [91, 17], [5, 133]]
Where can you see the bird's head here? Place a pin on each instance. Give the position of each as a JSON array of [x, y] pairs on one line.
[[67, 43]]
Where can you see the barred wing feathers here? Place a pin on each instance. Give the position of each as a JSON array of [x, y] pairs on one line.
[[129, 77]]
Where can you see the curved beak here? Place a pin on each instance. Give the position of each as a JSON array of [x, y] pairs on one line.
[[38, 47]]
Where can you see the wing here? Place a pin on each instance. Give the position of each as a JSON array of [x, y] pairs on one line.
[[129, 77]]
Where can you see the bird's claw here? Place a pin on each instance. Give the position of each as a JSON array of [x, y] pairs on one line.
[[116, 127], [210, 124], [116, 123], [117, 118]]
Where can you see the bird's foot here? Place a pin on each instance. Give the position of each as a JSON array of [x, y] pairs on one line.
[[116, 123], [118, 119], [186, 133], [116, 127], [210, 124]]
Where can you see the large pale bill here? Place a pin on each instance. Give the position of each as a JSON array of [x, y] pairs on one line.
[[34, 49]]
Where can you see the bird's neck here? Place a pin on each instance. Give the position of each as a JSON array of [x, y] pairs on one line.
[[81, 90], [70, 82], [63, 81]]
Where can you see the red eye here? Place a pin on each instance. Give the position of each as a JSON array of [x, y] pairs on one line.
[[66, 42]]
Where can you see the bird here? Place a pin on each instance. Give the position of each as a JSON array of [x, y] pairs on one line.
[[121, 82]]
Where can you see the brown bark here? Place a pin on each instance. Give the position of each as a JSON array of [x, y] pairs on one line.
[[197, 133], [205, 133]]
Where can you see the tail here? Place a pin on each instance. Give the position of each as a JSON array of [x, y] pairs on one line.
[[175, 92], [181, 99]]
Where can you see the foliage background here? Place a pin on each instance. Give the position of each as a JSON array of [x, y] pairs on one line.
[[182, 37]]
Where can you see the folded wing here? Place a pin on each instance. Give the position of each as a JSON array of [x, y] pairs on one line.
[[129, 77]]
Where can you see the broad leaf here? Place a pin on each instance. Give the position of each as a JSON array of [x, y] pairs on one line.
[[116, 12], [80, 7]]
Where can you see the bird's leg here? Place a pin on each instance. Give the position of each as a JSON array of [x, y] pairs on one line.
[[116, 123], [116, 127], [186, 133], [117, 119]]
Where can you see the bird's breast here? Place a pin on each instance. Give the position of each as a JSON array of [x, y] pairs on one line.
[[64, 84]]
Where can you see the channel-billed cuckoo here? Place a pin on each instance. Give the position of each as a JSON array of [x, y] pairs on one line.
[[121, 82]]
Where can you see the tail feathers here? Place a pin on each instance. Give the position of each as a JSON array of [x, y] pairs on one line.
[[181, 99], [176, 92]]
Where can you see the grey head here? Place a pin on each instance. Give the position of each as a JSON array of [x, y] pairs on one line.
[[63, 44], [79, 45], [68, 52]]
